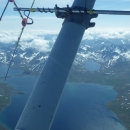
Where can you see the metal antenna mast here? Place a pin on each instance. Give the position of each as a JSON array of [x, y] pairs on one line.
[[76, 10]]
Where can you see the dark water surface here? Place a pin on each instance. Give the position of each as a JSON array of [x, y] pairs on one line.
[[82, 105], [83, 108]]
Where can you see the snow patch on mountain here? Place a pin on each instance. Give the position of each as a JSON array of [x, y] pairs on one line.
[[103, 47]]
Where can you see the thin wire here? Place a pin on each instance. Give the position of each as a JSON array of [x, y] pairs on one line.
[[17, 43], [6, 7], [4, 10], [18, 10], [14, 51], [28, 18]]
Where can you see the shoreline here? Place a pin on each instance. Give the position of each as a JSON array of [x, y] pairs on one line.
[[107, 80], [6, 97], [98, 84], [120, 108], [116, 77], [6, 91]]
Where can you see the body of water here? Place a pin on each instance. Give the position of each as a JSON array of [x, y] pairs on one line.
[[92, 65], [10, 115], [82, 106]]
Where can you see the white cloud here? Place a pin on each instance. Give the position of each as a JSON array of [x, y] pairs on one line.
[[107, 34], [39, 44], [31, 38], [39, 38]]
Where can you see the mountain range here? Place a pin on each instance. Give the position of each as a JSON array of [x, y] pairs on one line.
[[105, 51]]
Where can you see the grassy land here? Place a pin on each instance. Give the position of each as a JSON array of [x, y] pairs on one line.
[[5, 94], [117, 76]]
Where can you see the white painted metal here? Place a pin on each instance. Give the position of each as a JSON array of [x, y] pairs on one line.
[[41, 107], [64, 10]]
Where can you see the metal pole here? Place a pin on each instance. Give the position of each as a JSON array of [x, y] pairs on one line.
[[76, 11], [41, 107], [4, 10], [111, 12]]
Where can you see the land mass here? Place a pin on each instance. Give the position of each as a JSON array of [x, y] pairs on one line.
[[117, 76], [5, 93]]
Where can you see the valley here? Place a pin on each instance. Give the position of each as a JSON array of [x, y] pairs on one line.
[[110, 51]]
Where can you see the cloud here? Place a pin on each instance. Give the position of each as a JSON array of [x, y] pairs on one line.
[[39, 44], [37, 39], [43, 40], [108, 34]]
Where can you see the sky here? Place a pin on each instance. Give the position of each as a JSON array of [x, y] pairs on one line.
[[12, 20], [107, 26]]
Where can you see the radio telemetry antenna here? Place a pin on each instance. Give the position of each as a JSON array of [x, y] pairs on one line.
[[75, 10]]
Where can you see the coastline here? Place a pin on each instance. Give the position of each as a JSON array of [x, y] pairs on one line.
[[116, 77], [101, 78], [5, 99], [6, 92], [5, 95], [121, 109]]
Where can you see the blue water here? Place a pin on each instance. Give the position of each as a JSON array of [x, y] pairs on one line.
[[10, 115], [92, 65], [3, 70], [82, 106]]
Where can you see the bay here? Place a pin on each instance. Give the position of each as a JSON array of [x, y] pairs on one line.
[[10, 115], [82, 105]]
